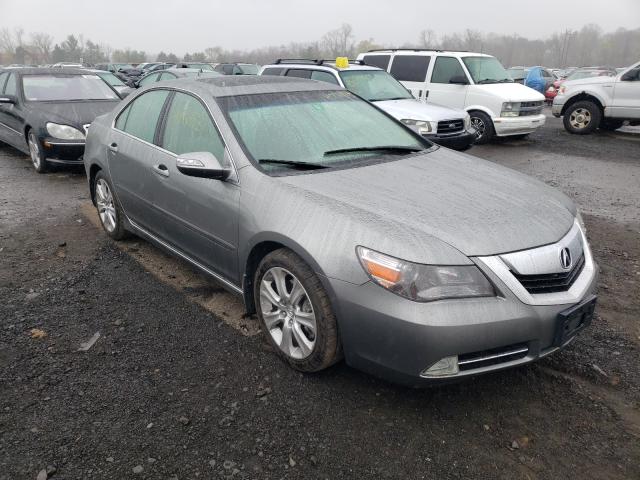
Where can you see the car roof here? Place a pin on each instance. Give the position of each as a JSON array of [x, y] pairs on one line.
[[326, 66], [51, 71], [229, 86]]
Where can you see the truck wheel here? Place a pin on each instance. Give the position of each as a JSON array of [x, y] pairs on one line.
[[582, 118], [609, 124], [483, 125]]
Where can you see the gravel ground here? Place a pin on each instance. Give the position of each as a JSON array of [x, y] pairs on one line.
[[176, 386]]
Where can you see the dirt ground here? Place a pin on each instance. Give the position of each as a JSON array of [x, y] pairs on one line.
[[178, 384]]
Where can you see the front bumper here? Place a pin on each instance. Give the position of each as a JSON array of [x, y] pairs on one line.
[[397, 339], [505, 126], [68, 152], [459, 141], [556, 108]]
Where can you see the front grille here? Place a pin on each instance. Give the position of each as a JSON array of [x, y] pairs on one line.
[[494, 356], [530, 108], [551, 282], [450, 126]]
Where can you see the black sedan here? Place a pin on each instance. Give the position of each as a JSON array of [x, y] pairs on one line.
[[46, 113]]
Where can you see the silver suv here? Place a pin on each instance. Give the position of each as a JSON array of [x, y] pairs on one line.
[[442, 125]]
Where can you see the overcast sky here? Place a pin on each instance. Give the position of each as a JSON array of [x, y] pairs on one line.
[[193, 25]]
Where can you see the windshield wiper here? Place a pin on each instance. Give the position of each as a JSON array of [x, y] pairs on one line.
[[386, 99], [293, 163], [487, 80], [506, 80], [390, 148]]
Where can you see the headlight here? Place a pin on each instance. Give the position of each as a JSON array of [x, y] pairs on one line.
[[420, 126], [467, 122], [424, 283], [510, 109], [64, 132]]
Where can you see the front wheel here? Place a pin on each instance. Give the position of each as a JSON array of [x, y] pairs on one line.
[[35, 152], [295, 312], [109, 210], [483, 125], [582, 118]]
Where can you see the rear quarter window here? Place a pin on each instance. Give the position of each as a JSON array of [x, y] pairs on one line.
[[380, 61], [410, 68]]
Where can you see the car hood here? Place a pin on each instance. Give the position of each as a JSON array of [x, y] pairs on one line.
[[474, 206], [600, 80], [410, 108], [75, 114], [511, 92]]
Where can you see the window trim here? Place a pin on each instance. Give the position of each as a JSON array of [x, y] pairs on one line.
[[233, 176]]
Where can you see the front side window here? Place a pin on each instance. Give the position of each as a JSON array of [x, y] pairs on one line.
[[380, 61], [318, 129], [140, 118], [324, 77], [486, 70], [189, 128], [374, 85], [410, 68], [445, 69], [10, 87], [65, 87]]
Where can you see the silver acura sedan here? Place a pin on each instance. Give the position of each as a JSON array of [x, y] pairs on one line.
[[346, 232]]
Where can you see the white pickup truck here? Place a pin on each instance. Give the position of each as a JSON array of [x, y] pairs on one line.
[[599, 102]]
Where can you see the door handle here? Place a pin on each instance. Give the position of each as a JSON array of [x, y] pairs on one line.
[[161, 170], [113, 147]]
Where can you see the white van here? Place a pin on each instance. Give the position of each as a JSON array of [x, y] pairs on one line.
[[475, 82]]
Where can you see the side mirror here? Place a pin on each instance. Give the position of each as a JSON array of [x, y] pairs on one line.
[[459, 80], [7, 99], [202, 165]]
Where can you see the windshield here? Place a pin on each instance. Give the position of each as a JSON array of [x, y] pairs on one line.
[[111, 79], [486, 70], [374, 85], [42, 88], [317, 128], [249, 69]]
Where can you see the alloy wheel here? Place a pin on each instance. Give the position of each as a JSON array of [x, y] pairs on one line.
[[34, 150], [479, 125], [580, 118], [288, 313], [106, 207]]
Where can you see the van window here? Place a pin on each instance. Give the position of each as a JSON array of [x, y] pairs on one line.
[[410, 68], [380, 61], [445, 69]]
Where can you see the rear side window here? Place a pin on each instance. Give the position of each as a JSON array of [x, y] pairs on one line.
[[189, 128], [140, 118], [445, 69], [380, 61], [324, 77], [299, 73], [149, 79], [272, 71], [410, 68], [10, 87]]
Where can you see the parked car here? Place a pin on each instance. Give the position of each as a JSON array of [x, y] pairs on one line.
[[600, 101], [126, 72], [172, 74], [344, 230], [46, 113], [237, 68], [474, 82], [518, 74], [442, 125], [115, 82]]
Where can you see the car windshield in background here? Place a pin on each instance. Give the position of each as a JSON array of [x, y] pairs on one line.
[[517, 73], [486, 70], [374, 85], [111, 79], [43, 88], [314, 130], [249, 69]]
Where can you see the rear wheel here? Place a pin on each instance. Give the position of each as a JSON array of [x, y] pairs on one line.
[[295, 312], [609, 124], [582, 118], [483, 125], [35, 152]]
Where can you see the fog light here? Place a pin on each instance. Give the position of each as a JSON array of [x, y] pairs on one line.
[[444, 367]]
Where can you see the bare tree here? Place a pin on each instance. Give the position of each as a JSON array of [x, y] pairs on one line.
[[428, 39], [42, 43], [338, 42]]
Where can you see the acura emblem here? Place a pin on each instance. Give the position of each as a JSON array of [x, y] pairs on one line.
[[565, 258]]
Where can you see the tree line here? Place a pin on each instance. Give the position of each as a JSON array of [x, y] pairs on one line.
[[588, 46]]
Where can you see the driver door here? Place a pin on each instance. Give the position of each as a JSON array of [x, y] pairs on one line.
[[626, 96]]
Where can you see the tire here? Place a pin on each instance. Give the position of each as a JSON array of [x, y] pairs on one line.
[[109, 209], [582, 118], [303, 330], [36, 153], [484, 127], [611, 125]]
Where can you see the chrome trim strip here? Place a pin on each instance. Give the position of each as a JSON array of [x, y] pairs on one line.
[[74, 144], [12, 129], [65, 162], [494, 356], [221, 279], [577, 291]]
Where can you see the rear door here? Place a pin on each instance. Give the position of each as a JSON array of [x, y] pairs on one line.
[[133, 156], [626, 96], [441, 90], [411, 71]]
